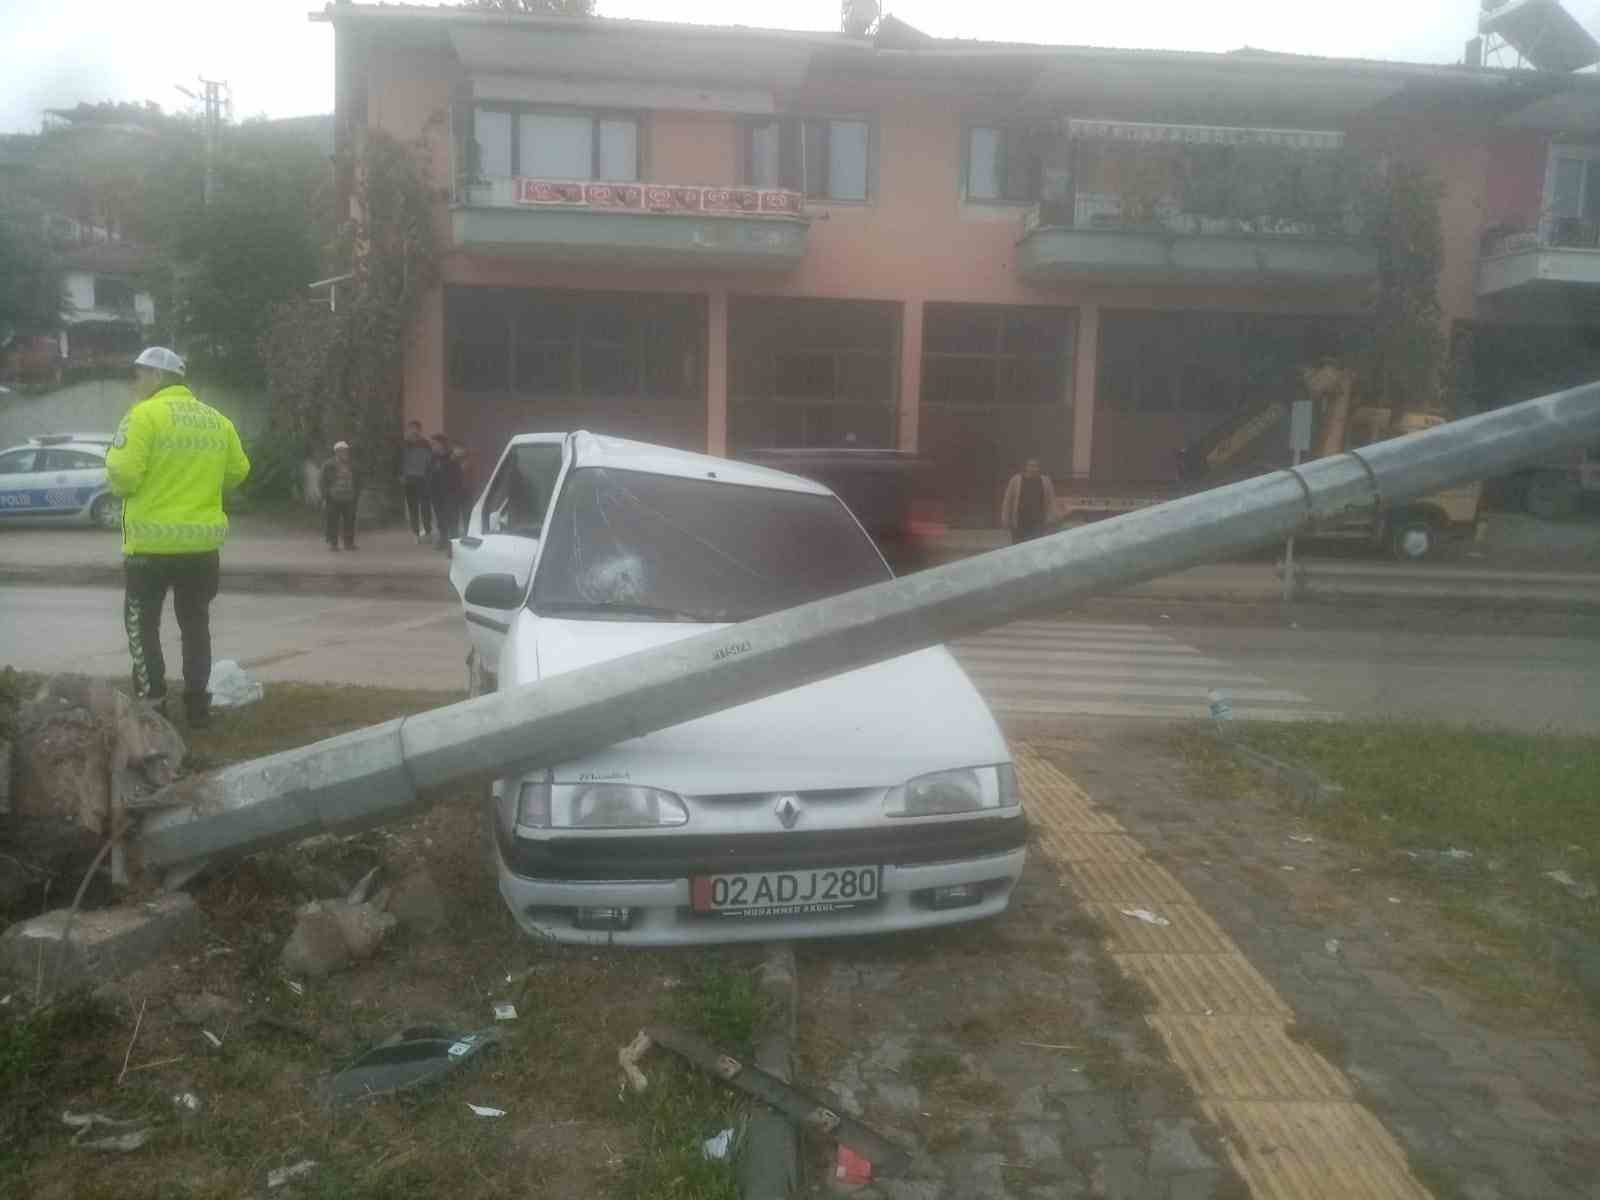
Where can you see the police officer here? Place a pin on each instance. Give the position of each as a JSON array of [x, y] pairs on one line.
[[170, 462]]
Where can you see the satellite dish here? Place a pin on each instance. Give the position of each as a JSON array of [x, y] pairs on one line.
[[1543, 33], [857, 17]]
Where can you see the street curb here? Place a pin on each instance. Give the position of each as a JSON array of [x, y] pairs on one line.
[[770, 1164], [1304, 784], [264, 580]]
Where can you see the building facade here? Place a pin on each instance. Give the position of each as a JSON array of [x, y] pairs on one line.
[[734, 239]]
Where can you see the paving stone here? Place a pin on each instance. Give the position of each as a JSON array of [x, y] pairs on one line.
[[104, 944], [1118, 1173], [1173, 1147], [1095, 1119]]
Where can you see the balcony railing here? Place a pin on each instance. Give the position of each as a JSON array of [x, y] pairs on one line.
[[645, 224], [1559, 252]]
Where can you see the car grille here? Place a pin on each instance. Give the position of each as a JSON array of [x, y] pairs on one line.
[[676, 856]]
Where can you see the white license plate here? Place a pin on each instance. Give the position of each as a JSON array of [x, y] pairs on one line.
[[786, 893]]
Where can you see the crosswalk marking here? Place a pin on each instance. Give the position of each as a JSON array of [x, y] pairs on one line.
[[1061, 668]]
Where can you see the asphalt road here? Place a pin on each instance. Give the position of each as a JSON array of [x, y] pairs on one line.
[[1043, 670]]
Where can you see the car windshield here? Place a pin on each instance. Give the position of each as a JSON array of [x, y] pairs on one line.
[[625, 545]]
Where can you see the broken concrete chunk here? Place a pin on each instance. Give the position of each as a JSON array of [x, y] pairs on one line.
[[416, 901], [332, 934], [105, 944]]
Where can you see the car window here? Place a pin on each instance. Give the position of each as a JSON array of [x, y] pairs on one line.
[[69, 460], [625, 544], [16, 462], [520, 493]]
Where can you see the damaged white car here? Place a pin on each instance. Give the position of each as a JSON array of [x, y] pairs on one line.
[[878, 800]]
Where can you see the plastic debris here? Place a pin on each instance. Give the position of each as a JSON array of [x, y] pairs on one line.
[[279, 1176], [1332, 946], [135, 1133], [216, 1042], [505, 1012], [295, 986], [187, 1102], [483, 1110], [410, 1059], [1583, 891], [231, 685], [1395, 900], [850, 1167], [716, 1148], [1221, 709], [1145, 915], [1302, 838]]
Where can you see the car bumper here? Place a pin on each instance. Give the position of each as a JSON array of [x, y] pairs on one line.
[[661, 914]]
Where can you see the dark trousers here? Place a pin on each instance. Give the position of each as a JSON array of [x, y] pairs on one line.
[[339, 518], [446, 513], [1026, 533], [419, 512], [193, 581]]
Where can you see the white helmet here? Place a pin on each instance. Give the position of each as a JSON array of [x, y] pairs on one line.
[[159, 358]]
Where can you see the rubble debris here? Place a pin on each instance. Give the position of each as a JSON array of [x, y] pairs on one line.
[[785, 1098], [279, 1176], [416, 901], [136, 1132], [628, 1058], [410, 1059], [102, 945], [332, 934]]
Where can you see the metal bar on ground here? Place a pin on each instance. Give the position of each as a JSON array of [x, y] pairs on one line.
[[375, 775]]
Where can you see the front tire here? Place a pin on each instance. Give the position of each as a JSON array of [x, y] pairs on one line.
[[1412, 539], [106, 512]]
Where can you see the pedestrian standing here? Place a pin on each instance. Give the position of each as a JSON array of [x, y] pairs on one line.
[[341, 488], [444, 490], [467, 466], [170, 462], [1029, 505], [414, 456]]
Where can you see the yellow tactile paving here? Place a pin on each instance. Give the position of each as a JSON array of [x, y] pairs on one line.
[[1248, 1058], [1188, 930], [1313, 1151], [1286, 1114], [1130, 884], [1205, 985]]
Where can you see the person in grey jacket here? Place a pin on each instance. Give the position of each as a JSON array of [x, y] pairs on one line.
[[414, 455], [341, 488]]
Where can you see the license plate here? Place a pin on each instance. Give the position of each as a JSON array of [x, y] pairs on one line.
[[786, 893]]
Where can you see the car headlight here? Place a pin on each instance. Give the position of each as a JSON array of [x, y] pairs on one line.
[[545, 805], [972, 789]]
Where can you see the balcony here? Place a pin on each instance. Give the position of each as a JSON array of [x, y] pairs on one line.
[[1199, 205], [1563, 253], [633, 224]]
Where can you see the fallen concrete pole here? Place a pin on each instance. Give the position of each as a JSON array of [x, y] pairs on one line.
[[380, 774]]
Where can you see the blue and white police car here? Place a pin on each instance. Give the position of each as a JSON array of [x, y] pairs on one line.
[[59, 479]]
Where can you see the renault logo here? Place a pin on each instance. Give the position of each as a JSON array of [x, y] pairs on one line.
[[788, 810]]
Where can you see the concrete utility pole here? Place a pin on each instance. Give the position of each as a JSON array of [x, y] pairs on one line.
[[372, 776], [218, 101]]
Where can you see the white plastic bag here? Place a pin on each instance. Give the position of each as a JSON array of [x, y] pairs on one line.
[[231, 686]]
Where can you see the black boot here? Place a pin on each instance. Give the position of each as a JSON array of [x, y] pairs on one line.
[[197, 707]]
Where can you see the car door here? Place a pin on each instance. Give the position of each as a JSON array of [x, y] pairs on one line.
[[21, 492], [503, 533], [72, 478]]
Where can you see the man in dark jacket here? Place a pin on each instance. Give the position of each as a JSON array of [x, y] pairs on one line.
[[341, 488], [414, 456], [444, 490]]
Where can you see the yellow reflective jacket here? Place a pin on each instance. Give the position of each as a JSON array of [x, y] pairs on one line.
[[171, 460]]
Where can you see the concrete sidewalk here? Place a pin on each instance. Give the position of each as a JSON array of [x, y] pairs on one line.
[[262, 558]]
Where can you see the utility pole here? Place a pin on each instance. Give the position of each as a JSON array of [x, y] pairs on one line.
[[218, 103]]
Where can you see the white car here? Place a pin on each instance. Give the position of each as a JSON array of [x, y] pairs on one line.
[[879, 800], [59, 479]]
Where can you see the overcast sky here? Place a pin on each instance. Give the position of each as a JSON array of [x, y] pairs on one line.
[[54, 53]]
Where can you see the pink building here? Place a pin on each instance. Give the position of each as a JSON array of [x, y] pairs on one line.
[[736, 239]]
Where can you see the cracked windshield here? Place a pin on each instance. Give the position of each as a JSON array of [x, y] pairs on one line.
[[781, 599]]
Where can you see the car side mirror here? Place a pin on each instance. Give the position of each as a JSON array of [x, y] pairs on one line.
[[494, 591]]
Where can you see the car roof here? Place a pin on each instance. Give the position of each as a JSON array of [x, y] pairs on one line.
[[92, 445], [67, 439], [598, 450]]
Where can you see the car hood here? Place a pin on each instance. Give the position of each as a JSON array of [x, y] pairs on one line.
[[873, 727]]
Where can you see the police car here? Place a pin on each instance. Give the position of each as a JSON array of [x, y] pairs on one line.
[[59, 479]]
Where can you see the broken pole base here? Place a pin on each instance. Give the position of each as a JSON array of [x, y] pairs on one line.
[[103, 945], [770, 1166]]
